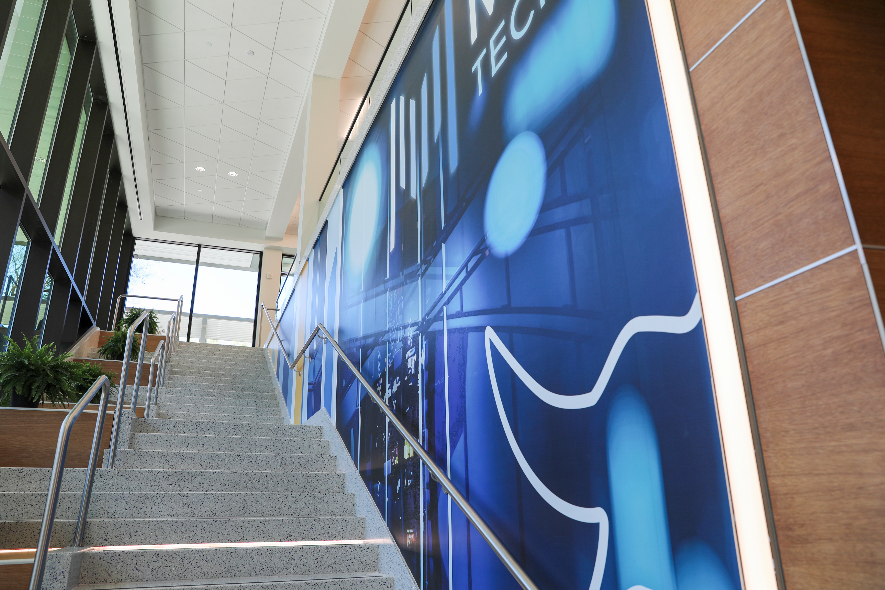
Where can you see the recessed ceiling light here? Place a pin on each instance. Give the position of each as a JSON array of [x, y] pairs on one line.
[[208, 44], [232, 173], [200, 169], [250, 52], [199, 190]]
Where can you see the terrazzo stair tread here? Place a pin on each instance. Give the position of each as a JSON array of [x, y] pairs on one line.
[[229, 386], [211, 376], [214, 443], [36, 479], [164, 531], [182, 357], [247, 418], [187, 460], [213, 392], [213, 427], [27, 506], [340, 581], [155, 565], [220, 369], [207, 411], [218, 405], [194, 400]]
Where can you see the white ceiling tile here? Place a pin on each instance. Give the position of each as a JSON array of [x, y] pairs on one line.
[[172, 69], [155, 101], [175, 134], [299, 33], [163, 85], [212, 132], [164, 118], [220, 9], [235, 164], [250, 107], [162, 47], [207, 176], [286, 125], [352, 69], [262, 149], [229, 195], [194, 158], [241, 45], [254, 205], [263, 163], [201, 143], [379, 32], [265, 34], [207, 43], [198, 202], [237, 70], [225, 217], [200, 79], [199, 187], [235, 149], [225, 181], [197, 19], [280, 108], [298, 10], [171, 11], [252, 194], [272, 176], [249, 221], [262, 185], [276, 90], [150, 24], [168, 191], [229, 135], [160, 171], [243, 90], [289, 73], [257, 11], [195, 98], [321, 5], [216, 64], [354, 88], [242, 173], [240, 121], [382, 10], [273, 137], [198, 214], [302, 56], [161, 202], [366, 52], [204, 115], [166, 147], [173, 212], [161, 158]]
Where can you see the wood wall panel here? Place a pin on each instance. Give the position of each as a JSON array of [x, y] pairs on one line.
[[845, 43], [818, 376], [779, 201], [15, 577], [876, 264], [704, 22]]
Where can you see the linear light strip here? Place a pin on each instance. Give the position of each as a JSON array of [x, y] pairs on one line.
[[751, 527], [797, 272]]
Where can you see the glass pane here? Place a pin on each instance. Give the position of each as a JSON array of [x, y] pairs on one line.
[[44, 306], [47, 132], [162, 270], [72, 168], [15, 58], [227, 319], [12, 282]]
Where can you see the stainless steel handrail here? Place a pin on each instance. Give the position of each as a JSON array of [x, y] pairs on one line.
[[61, 450], [153, 380], [124, 377], [436, 472], [180, 301]]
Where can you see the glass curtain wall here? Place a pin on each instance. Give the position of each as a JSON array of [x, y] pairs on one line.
[[72, 167], [12, 284], [227, 293], [162, 269], [56, 96], [15, 59]]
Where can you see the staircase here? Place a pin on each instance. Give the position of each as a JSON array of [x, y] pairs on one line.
[[213, 491]]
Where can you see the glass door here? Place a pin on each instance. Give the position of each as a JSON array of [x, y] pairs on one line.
[[226, 297]]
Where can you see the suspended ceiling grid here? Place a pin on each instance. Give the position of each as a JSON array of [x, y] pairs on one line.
[[224, 81]]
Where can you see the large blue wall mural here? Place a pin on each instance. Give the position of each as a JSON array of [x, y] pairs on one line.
[[508, 264]]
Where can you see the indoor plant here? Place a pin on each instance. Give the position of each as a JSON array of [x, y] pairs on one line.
[[32, 374], [115, 347], [84, 374], [131, 316]]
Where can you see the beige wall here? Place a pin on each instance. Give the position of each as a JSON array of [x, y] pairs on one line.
[[267, 293], [812, 345]]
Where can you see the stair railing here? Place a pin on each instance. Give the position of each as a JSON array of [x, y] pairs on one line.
[[435, 471], [61, 450], [177, 313], [156, 380], [124, 377]]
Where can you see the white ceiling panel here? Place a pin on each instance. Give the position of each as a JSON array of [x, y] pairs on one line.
[[236, 164], [202, 80], [275, 89], [223, 181], [286, 125], [227, 195], [262, 149], [299, 33], [263, 186], [298, 10], [265, 34], [160, 171], [274, 137], [216, 64], [220, 9], [244, 91], [155, 101], [173, 212], [195, 98], [302, 56], [245, 49], [206, 43], [150, 24], [249, 221], [229, 135], [172, 69], [236, 149], [239, 121], [256, 11], [165, 118], [167, 191], [197, 187], [279, 108], [162, 47], [255, 206], [205, 115], [161, 158], [237, 70], [212, 132], [267, 163], [198, 19], [171, 11], [163, 85]]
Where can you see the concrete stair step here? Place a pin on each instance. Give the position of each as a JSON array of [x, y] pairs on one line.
[[196, 400], [363, 581], [189, 390], [219, 369], [200, 384], [235, 417], [184, 460], [24, 506], [227, 444], [219, 563], [163, 531], [212, 427]]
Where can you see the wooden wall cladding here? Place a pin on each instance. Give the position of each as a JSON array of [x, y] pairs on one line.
[[876, 264], [779, 201], [818, 376], [704, 22], [845, 43], [15, 577]]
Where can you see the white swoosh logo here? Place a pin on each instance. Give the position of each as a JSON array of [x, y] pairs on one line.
[[651, 323]]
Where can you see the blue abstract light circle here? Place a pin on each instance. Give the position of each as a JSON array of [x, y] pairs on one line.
[[515, 194], [364, 211]]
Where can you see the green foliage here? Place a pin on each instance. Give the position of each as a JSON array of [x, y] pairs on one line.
[[132, 315], [115, 348], [36, 372], [83, 375]]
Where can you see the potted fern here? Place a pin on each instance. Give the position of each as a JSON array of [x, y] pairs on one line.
[[32, 374], [115, 347]]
